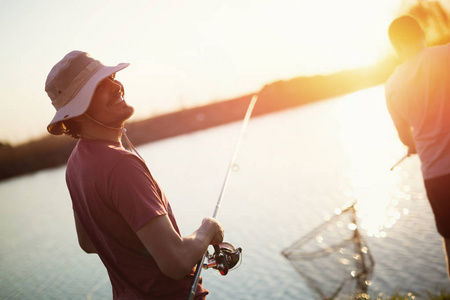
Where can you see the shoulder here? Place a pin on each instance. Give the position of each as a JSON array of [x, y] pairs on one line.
[[100, 148], [437, 53], [101, 156], [439, 49], [128, 163]]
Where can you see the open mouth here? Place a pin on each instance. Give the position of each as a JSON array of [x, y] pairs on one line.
[[118, 99]]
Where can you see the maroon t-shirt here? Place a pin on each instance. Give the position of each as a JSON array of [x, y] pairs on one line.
[[113, 195]]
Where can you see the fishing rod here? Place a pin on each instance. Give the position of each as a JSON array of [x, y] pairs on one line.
[[225, 256], [399, 161]]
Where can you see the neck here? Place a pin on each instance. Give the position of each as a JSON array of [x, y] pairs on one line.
[[98, 130], [102, 124]]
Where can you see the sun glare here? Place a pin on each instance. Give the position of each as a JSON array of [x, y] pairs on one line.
[[202, 51], [347, 34], [371, 146]]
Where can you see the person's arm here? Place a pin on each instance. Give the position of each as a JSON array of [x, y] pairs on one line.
[[83, 239], [176, 255], [403, 128], [406, 136]]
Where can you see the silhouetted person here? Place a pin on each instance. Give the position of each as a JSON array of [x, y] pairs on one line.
[[120, 211], [418, 100]]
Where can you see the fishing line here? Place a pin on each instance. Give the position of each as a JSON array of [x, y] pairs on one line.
[[232, 166]]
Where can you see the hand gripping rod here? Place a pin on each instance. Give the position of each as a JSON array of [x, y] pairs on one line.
[[216, 211]]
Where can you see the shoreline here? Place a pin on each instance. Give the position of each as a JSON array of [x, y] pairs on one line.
[[53, 151]]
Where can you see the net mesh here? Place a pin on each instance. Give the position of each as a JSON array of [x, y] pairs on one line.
[[334, 259]]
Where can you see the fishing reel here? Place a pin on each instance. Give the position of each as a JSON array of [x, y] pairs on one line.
[[225, 258]]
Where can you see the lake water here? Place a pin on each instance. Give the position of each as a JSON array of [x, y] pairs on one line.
[[295, 168]]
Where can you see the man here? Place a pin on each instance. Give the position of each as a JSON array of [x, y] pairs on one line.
[[418, 100], [120, 211]]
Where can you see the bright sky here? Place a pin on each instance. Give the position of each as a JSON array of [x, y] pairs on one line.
[[182, 53]]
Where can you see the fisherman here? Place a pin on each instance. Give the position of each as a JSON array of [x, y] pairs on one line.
[[120, 211], [418, 100]]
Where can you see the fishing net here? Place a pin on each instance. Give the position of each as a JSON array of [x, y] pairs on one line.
[[334, 259]]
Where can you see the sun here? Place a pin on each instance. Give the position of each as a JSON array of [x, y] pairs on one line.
[[338, 34], [351, 39]]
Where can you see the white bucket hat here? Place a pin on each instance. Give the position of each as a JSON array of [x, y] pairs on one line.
[[71, 84]]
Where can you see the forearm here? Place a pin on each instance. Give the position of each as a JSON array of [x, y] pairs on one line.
[[403, 128], [196, 244], [176, 255]]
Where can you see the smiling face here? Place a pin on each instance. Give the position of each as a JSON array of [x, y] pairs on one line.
[[108, 105]]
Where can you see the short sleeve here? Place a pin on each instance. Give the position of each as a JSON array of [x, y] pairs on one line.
[[134, 193]]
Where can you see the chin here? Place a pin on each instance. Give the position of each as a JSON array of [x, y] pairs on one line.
[[126, 114], [130, 111]]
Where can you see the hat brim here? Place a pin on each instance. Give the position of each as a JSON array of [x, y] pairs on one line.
[[80, 103]]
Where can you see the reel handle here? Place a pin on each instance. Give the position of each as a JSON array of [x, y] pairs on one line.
[[225, 258], [221, 260]]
